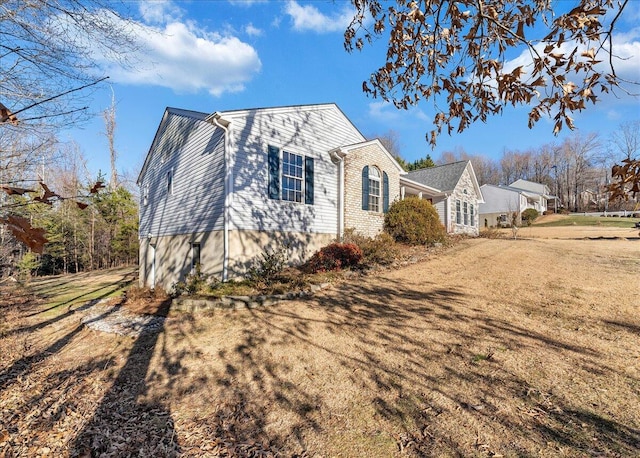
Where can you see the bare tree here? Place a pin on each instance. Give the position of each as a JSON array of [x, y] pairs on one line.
[[626, 174], [455, 53], [575, 159], [486, 170], [109, 116], [625, 142], [515, 166], [48, 50]]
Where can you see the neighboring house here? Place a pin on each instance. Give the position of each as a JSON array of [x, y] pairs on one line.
[[538, 194], [457, 197], [503, 204], [218, 190]]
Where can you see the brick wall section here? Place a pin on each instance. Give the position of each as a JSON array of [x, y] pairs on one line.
[[366, 222], [471, 198]]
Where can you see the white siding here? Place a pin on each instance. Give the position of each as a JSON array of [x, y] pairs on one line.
[[501, 200], [193, 150], [439, 204], [310, 131]]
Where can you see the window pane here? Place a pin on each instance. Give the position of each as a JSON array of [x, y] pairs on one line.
[[292, 177], [374, 189]]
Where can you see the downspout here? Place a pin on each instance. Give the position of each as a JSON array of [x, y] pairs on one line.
[[447, 212], [227, 192], [340, 160]]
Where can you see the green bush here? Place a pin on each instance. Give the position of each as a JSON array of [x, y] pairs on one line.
[[529, 216], [381, 249], [195, 282], [335, 256], [414, 221], [269, 265]]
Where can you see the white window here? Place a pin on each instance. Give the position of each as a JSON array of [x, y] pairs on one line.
[[292, 177], [374, 189], [465, 205], [458, 213], [473, 216]]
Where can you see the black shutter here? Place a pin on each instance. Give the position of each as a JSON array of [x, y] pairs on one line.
[[385, 192], [308, 180], [274, 172], [365, 188]]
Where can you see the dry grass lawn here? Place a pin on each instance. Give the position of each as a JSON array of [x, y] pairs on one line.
[[502, 347]]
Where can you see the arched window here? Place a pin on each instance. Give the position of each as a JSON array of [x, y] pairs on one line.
[[374, 189]]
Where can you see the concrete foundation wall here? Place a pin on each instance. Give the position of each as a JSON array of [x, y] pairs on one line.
[[173, 256], [247, 246], [167, 260]]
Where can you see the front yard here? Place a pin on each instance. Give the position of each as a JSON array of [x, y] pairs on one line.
[[490, 347]]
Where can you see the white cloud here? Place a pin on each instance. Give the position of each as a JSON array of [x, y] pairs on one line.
[[159, 12], [613, 115], [308, 17], [245, 2], [383, 112], [183, 57], [626, 48], [386, 112], [252, 31], [626, 59]]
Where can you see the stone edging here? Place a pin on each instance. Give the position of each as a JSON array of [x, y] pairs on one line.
[[198, 304]]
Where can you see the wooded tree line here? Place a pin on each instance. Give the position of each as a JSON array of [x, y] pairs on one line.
[[578, 169], [85, 230]]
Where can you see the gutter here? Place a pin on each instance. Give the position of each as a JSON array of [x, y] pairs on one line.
[[218, 121]]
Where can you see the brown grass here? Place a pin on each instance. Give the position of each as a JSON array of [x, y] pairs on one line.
[[491, 347]]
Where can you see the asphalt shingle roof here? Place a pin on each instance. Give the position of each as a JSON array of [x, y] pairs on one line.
[[442, 177]]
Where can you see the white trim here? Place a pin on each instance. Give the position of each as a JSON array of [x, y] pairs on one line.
[[340, 159], [228, 191], [420, 187], [476, 185], [344, 150]]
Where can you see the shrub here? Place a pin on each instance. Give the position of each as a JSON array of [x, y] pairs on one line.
[[491, 233], [195, 282], [334, 257], [269, 265], [414, 221], [529, 216], [381, 249]]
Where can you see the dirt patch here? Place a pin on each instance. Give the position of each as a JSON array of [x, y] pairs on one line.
[[491, 347]]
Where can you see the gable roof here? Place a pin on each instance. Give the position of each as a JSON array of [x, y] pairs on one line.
[[443, 177], [283, 109], [345, 150], [225, 116], [196, 115], [530, 186]]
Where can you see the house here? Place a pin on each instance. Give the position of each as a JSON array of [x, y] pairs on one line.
[[220, 189], [457, 197], [504, 204], [538, 194]]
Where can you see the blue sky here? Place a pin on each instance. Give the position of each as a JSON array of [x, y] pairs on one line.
[[225, 55]]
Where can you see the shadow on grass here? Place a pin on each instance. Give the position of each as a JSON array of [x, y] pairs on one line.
[[25, 364], [111, 287], [398, 336], [122, 423], [68, 313]]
